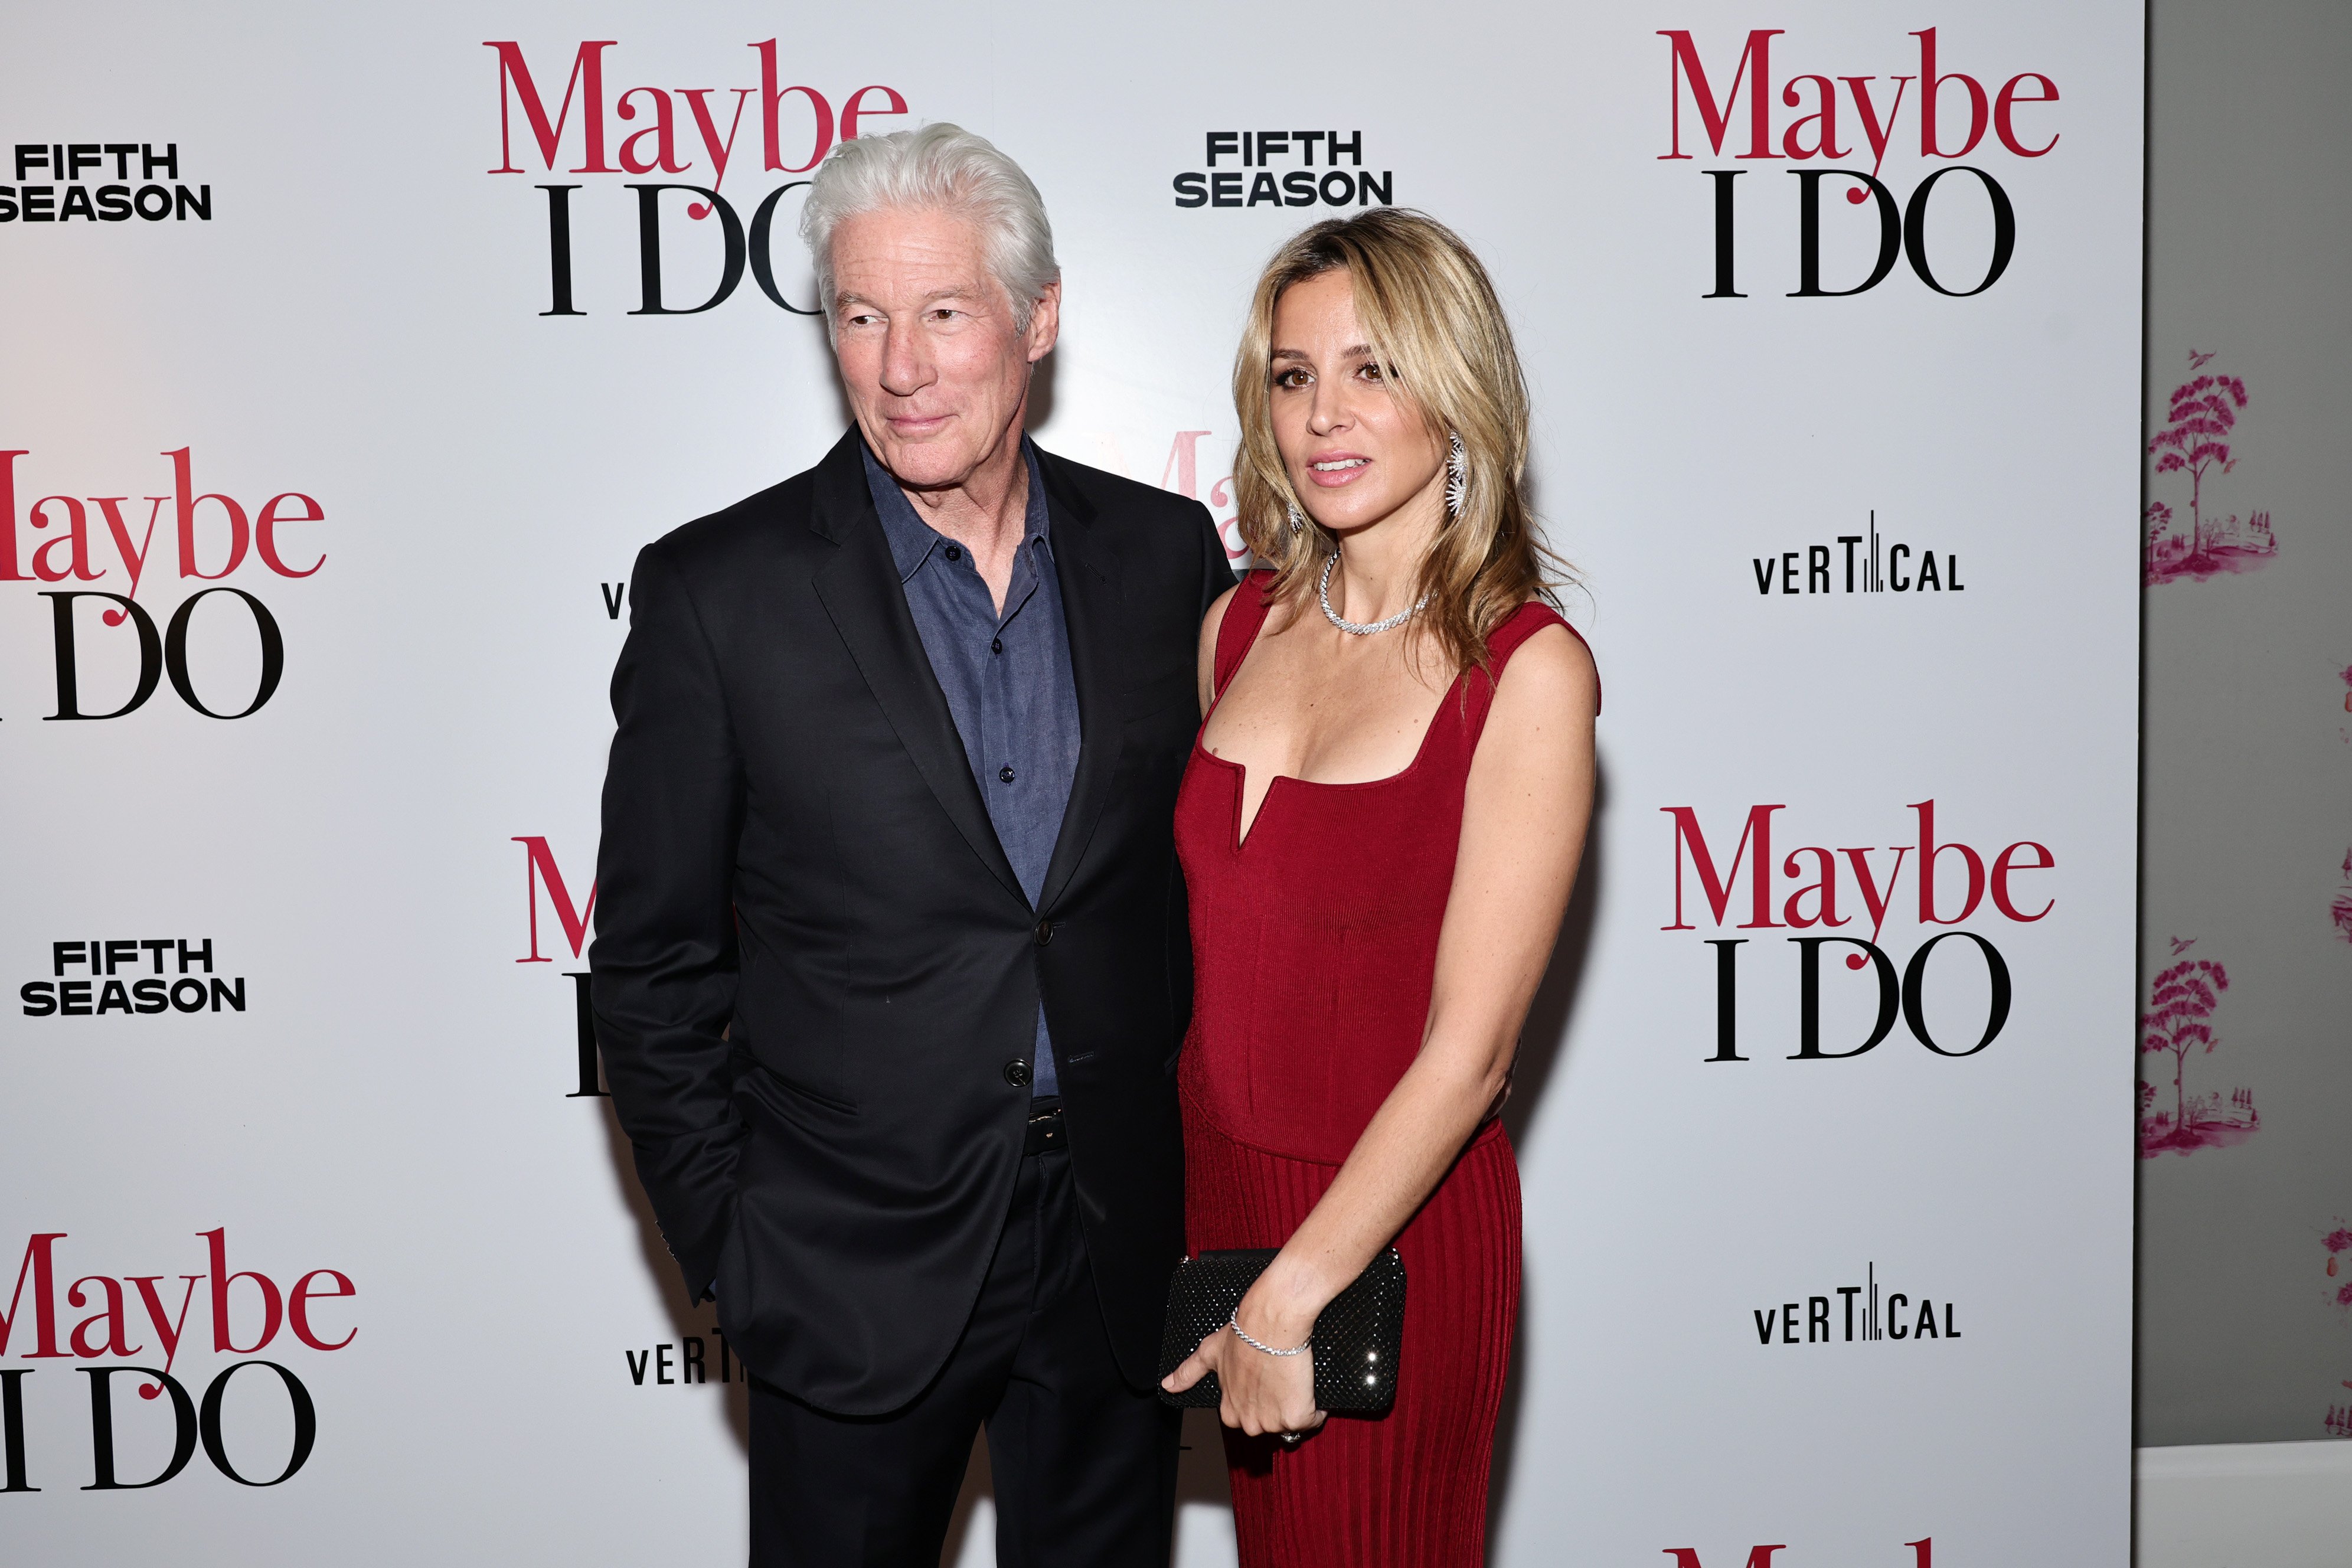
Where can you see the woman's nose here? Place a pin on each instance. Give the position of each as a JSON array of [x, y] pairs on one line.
[[1328, 412]]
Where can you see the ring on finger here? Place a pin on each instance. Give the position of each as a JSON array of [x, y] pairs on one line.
[[1291, 1440]]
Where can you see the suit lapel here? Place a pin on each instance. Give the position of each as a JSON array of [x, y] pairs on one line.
[[859, 588], [1089, 574]]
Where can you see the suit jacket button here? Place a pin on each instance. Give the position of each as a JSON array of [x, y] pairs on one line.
[[1016, 1073], [1044, 932]]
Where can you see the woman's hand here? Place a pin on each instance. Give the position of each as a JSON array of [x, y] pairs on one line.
[[1263, 1393]]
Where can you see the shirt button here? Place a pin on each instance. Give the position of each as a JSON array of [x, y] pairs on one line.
[[996, 644], [1005, 775], [1044, 932], [1016, 1073], [954, 554]]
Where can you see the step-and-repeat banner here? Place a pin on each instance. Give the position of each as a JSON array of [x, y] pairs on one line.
[[351, 353]]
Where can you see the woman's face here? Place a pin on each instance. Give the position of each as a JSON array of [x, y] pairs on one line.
[[1358, 452]]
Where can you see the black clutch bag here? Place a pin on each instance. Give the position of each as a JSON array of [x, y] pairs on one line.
[[1357, 1340]]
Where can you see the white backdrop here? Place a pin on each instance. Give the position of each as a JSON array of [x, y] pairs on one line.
[[347, 306]]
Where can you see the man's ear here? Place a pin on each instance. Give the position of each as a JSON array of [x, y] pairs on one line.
[[1045, 321]]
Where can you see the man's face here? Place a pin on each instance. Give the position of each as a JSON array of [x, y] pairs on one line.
[[934, 368]]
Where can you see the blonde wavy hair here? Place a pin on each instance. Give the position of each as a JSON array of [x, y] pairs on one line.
[[1430, 314]]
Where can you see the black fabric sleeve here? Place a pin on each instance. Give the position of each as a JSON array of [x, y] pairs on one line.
[[1216, 572], [1216, 577], [663, 966]]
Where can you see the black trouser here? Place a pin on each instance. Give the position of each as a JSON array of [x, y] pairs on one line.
[[1084, 1467]]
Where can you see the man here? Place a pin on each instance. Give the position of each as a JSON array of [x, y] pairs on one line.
[[891, 967]]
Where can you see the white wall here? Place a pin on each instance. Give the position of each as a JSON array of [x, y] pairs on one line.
[[2242, 1505]]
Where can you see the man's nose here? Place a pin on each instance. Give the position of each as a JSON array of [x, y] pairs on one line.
[[905, 368]]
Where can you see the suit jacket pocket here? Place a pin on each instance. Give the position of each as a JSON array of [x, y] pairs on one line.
[[814, 1109]]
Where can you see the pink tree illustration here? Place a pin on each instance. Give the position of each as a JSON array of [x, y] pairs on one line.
[[2341, 910], [2195, 437], [2157, 559], [2183, 1000]]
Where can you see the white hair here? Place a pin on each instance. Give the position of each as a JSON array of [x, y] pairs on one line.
[[936, 168]]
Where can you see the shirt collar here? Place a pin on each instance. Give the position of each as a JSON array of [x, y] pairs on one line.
[[912, 540]]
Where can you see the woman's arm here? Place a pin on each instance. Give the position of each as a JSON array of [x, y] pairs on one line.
[[1525, 809], [1207, 662]]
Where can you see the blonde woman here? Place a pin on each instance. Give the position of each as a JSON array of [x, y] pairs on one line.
[[1379, 827]]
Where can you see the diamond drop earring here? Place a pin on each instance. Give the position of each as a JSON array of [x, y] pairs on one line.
[[1297, 523], [1457, 477]]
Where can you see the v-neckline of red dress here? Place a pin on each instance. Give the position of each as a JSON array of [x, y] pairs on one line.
[[1240, 836]]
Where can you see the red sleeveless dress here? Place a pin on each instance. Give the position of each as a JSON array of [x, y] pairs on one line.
[[1314, 951]]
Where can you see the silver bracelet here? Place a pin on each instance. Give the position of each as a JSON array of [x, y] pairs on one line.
[[1243, 1334]]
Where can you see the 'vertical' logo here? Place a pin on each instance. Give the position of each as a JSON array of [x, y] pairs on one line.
[[1872, 1315]]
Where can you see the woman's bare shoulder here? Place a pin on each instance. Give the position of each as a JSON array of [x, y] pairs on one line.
[[1549, 677], [1210, 624]]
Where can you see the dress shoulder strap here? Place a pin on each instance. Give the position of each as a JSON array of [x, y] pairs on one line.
[[1244, 614]]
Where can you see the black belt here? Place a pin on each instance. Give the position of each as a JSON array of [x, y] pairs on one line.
[[1045, 1131]]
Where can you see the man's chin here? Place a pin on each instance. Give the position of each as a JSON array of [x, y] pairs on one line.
[[926, 463]]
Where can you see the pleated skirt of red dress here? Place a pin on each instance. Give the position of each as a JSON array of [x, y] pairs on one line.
[[1409, 1489]]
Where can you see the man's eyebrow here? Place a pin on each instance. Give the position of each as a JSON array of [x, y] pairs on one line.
[[849, 297]]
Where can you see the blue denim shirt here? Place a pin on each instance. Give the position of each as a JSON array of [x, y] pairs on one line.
[[1006, 677]]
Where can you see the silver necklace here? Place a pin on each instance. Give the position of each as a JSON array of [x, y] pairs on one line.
[[1359, 628]]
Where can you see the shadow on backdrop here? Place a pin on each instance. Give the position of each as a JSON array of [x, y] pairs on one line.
[[695, 1322], [1541, 1044]]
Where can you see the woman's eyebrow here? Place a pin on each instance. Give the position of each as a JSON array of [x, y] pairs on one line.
[[1358, 351]]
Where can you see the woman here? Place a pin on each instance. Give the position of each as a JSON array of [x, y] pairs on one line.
[[1380, 827]]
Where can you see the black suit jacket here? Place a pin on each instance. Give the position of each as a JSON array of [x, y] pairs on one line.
[[813, 964]]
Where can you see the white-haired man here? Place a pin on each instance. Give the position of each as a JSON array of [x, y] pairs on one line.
[[891, 966]]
